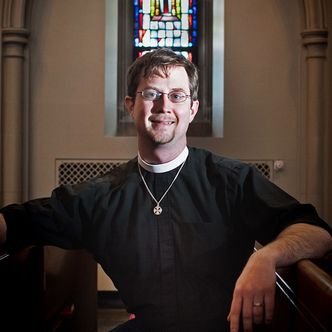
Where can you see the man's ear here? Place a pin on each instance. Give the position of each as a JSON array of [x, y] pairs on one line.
[[193, 110], [129, 103]]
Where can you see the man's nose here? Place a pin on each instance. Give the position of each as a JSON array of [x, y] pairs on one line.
[[163, 103]]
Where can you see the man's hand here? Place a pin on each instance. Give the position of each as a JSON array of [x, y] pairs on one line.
[[253, 297]]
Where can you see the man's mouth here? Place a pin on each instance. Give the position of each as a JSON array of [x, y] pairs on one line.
[[166, 122]]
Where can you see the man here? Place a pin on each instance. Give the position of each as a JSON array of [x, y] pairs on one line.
[[175, 227]]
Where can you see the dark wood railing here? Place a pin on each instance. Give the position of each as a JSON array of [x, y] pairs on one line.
[[44, 289]]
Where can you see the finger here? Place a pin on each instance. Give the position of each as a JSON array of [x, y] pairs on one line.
[[268, 307], [258, 310], [234, 314], [247, 316]]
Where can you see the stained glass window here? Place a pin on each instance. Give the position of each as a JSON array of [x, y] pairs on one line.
[[195, 27], [165, 23]]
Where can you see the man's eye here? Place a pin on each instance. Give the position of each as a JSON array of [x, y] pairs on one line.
[[177, 95], [151, 94]]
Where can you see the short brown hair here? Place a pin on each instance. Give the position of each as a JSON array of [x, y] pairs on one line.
[[160, 59]]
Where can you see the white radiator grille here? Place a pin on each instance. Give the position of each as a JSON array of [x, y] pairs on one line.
[[71, 171]]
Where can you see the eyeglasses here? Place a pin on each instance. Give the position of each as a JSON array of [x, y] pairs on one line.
[[175, 97]]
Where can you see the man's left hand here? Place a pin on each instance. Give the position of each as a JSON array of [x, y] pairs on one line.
[[253, 297]]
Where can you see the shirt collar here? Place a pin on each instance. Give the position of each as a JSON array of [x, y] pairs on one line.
[[165, 167]]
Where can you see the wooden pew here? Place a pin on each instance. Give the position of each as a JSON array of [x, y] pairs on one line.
[[48, 289], [303, 298], [34, 299]]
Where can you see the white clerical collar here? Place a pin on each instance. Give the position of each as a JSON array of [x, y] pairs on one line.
[[166, 167]]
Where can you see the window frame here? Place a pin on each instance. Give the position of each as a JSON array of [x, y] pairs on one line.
[[209, 120]]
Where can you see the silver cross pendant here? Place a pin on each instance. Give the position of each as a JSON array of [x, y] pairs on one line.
[[157, 210]]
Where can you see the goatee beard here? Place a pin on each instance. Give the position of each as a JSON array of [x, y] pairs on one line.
[[161, 138]]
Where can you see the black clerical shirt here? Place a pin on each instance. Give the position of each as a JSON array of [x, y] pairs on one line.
[[175, 271]]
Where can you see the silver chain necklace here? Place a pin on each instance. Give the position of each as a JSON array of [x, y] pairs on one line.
[[157, 210]]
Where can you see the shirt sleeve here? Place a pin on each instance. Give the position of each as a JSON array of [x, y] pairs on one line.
[[266, 209], [61, 220]]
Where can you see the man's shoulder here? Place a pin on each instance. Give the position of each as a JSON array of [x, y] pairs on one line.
[[100, 185], [118, 173], [114, 178], [216, 161]]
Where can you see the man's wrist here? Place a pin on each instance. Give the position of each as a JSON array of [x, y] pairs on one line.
[[265, 255]]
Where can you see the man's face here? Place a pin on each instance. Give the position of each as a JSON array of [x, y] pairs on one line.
[[162, 121]]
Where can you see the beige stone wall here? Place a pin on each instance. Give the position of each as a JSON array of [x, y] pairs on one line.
[[328, 122]]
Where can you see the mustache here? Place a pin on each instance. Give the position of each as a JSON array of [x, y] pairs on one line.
[[162, 118]]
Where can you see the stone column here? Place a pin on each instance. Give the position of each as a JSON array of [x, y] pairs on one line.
[[14, 41], [314, 38]]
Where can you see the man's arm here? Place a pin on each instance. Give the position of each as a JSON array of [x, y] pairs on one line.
[[253, 297], [3, 229]]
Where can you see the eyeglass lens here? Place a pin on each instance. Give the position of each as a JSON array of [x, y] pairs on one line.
[[173, 96]]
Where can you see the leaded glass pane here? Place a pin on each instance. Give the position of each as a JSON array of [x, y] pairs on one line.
[[170, 23]]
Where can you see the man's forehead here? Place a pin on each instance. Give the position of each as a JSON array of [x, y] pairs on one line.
[[162, 71], [175, 78]]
